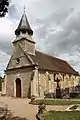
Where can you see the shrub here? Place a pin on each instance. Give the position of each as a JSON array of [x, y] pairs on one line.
[[74, 94]]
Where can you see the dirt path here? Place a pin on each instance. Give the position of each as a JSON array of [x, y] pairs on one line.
[[22, 108]]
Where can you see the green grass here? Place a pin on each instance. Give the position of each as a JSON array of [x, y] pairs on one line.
[[58, 115], [56, 102]]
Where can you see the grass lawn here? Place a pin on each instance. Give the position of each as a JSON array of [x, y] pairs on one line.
[[58, 115], [56, 102]]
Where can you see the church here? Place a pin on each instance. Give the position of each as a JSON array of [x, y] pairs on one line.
[[30, 72]]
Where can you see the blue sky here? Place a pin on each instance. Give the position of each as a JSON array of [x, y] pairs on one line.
[[56, 25]]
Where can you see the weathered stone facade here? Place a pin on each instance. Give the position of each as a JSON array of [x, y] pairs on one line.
[[26, 75], [39, 83], [20, 65], [48, 83]]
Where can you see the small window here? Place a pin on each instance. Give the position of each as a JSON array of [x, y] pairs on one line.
[[18, 60], [29, 33], [24, 32]]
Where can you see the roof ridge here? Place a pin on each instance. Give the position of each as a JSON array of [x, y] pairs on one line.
[[51, 56]]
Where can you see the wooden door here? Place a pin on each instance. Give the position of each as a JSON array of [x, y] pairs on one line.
[[18, 88]]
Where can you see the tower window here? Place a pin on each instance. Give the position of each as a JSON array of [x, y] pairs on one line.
[[29, 33], [17, 60], [24, 31]]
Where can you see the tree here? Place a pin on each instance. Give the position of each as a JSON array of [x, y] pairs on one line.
[[4, 4], [1, 80]]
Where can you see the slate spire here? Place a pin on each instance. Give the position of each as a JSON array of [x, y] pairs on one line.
[[24, 25]]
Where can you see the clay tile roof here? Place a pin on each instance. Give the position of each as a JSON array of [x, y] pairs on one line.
[[47, 62]]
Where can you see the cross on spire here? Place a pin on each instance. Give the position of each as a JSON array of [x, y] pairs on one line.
[[24, 8]]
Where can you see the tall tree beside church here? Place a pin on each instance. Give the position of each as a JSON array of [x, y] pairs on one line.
[[4, 4]]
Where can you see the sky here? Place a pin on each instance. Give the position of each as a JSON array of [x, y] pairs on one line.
[[56, 26]]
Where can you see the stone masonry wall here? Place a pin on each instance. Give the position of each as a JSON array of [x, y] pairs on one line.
[[49, 85], [25, 77]]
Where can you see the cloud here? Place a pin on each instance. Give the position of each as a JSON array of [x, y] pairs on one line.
[[13, 12], [61, 35], [53, 31], [69, 36], [6, 34], [72, 58], [4, 58]]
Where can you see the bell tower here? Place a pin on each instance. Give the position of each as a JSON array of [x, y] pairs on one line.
[[24, 36], [21, 65]]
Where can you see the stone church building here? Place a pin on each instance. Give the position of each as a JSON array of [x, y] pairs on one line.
[[30, 72]]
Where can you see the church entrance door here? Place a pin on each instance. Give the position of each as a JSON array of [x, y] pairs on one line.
[[18, 87]]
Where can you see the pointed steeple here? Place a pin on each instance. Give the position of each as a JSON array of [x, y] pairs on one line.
[[24, 25]]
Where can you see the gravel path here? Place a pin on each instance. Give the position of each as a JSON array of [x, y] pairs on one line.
[[22, 108]]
